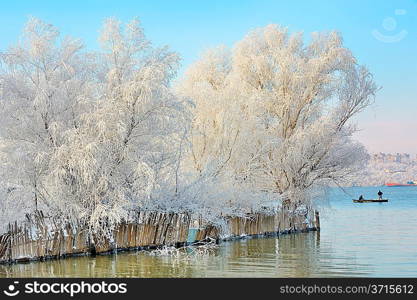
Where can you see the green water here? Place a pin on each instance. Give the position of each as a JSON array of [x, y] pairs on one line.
[[356, 240]]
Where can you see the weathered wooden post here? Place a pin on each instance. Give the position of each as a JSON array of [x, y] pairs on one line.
[[317, 220]]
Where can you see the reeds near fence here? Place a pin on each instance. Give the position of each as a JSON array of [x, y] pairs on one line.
[[40, 237]]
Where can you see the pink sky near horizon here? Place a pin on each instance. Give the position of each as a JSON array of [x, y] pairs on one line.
[[390, 124], [388, 136]]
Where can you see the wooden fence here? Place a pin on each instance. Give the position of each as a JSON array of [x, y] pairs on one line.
[[40, 237]]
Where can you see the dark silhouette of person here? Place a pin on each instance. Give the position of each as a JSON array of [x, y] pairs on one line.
[[380, 195], [360, 197]]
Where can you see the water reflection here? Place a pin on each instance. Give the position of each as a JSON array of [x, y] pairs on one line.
[[297, 255], [356, 240]]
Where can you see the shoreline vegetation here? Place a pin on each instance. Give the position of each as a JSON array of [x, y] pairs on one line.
[[90, 137], [39, 238]]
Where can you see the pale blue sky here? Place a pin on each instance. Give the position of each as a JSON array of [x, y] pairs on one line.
[[382, 34]]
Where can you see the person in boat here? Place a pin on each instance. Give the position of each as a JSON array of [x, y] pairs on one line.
[[380, 195], [361, 197]]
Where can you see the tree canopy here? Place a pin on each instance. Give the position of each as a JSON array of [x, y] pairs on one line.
[[91, 135]]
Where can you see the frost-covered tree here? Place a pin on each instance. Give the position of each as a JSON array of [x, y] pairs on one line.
[[43, 83], [90, 135], [275, 111], [126, 151]]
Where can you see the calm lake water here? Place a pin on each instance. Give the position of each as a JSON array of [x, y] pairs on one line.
[[356, 240]]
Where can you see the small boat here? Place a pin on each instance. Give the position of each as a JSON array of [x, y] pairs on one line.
[[369, 200]]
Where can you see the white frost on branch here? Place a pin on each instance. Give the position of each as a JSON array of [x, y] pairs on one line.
[[273, 112], [89, 136]]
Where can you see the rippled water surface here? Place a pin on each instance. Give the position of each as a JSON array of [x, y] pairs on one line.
[[369, 239]]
